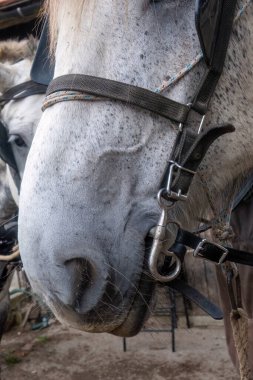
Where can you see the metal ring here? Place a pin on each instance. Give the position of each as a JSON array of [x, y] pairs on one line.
[[166, 278], [162, 201]]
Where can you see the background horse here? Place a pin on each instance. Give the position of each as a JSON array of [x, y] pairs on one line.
[[88, 198], [20, 119]]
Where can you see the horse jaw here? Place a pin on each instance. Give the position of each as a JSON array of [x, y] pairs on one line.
[[88, 195]]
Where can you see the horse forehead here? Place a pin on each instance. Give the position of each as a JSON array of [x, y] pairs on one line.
[[22, 71], [22, 112]]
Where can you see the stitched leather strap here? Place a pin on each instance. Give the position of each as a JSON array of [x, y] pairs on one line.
[[127, 93]]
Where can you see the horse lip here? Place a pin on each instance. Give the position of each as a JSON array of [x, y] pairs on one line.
[[68, 316], [140, 308]]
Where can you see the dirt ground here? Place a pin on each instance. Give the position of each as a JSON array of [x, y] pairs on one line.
[[62, 353]]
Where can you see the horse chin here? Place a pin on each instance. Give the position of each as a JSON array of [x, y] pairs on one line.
[[142, 303], [138, 313]]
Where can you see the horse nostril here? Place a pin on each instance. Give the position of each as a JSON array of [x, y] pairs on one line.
[[82, 273]]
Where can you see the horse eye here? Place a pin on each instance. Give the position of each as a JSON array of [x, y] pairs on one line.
[[17, 140]]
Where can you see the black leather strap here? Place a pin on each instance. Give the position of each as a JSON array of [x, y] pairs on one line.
[[6, 153], [207, 20], [211, 251], [42, 70], [22, 91], [189, 151], [245, 192], [195, 296], [127, 93], [216, 56]]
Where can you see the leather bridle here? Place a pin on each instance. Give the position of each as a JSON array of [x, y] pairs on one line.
[[214, 21]]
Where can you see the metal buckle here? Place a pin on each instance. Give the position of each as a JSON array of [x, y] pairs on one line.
[[200, 247], [172, 194]]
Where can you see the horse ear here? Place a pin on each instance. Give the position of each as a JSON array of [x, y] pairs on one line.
[[7, 76]]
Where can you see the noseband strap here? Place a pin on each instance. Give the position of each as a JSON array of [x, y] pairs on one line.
[[106, 88]]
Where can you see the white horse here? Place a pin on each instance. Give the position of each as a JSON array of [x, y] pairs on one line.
[[20, 118], [88, 197], [15, 64]]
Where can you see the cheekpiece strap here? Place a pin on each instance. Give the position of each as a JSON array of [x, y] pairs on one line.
[[189, 152]]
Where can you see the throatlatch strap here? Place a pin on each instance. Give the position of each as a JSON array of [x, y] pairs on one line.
[[132, 95]]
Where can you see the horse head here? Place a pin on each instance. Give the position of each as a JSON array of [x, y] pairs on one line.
[[88, 198], [19, 116], [16, 58], [18, 120]]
